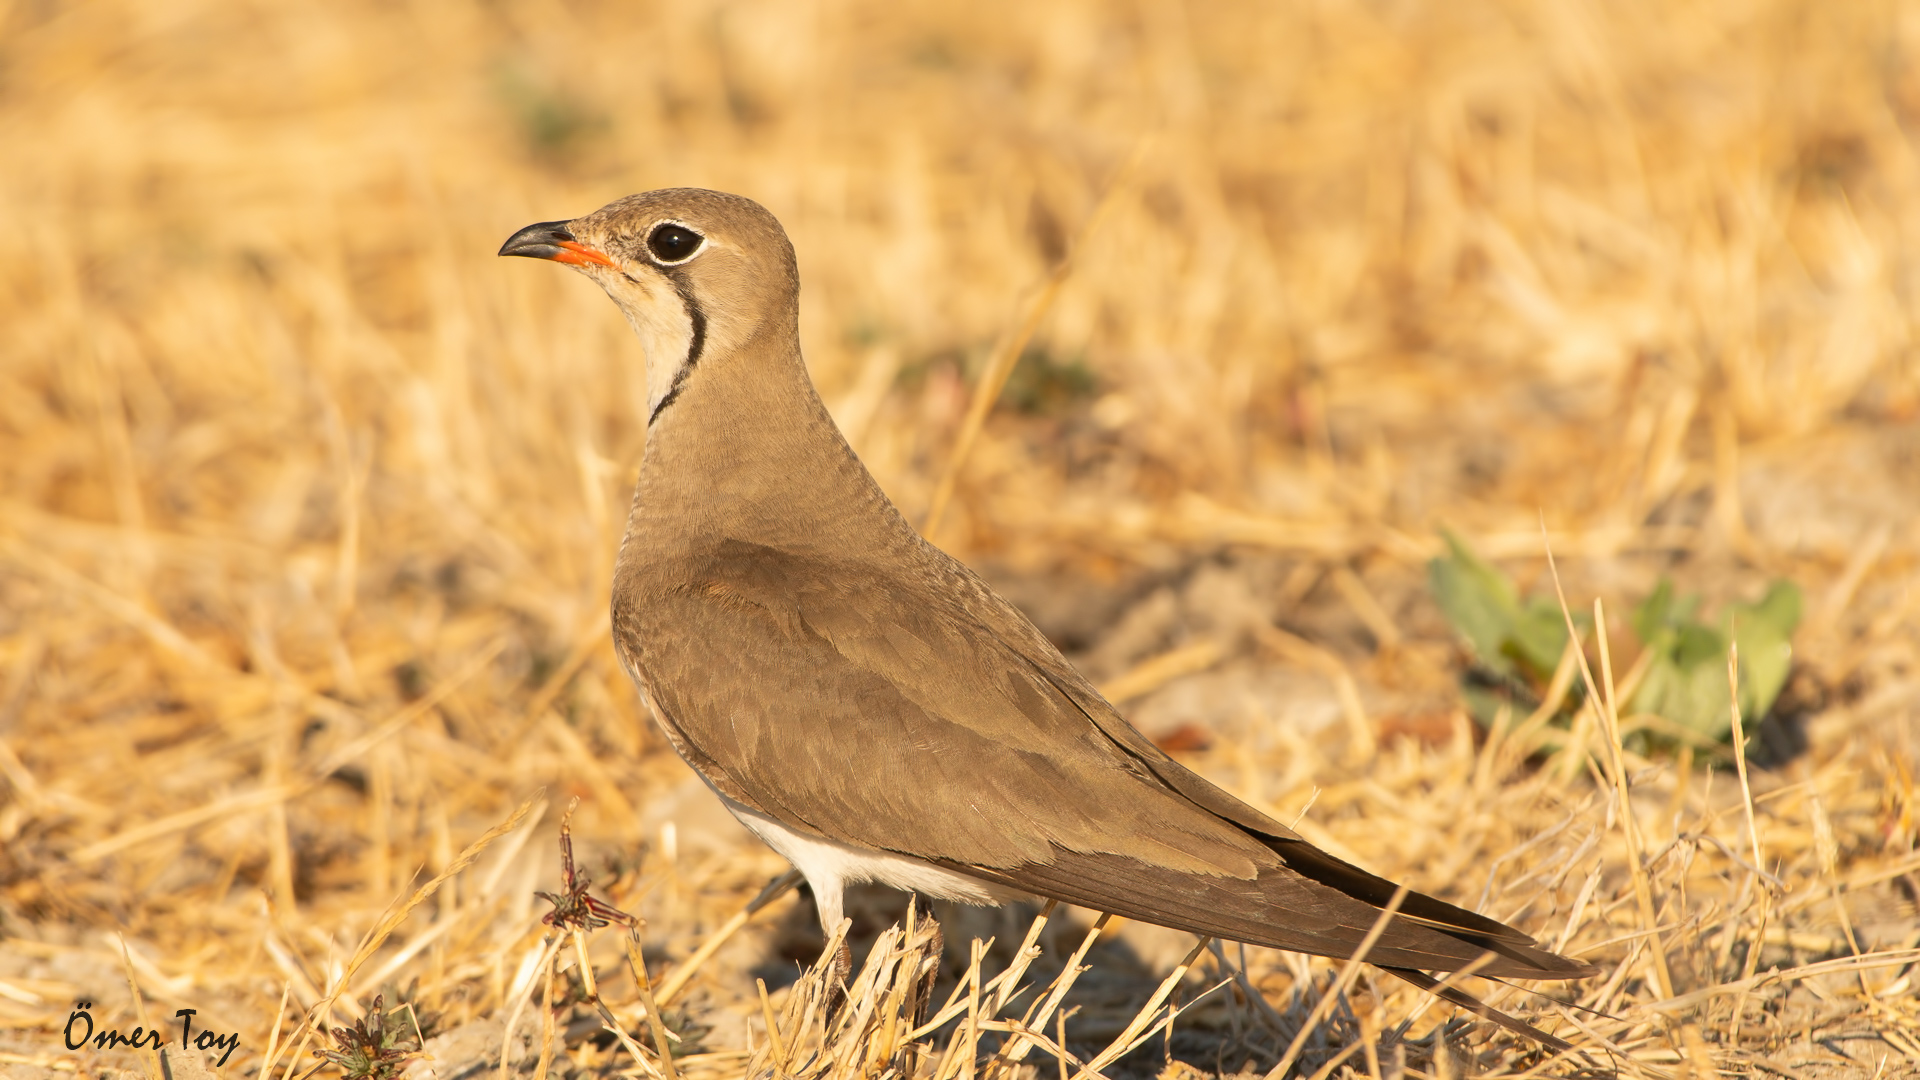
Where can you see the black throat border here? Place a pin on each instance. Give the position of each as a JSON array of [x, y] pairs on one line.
[[695, 346]]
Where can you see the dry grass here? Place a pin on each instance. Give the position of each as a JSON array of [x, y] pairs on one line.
[[308, 504]]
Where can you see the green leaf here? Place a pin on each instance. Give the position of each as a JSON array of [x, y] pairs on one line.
[[1653, 614], [1693, 696], [1540, 635], [1699, 646], [1686, 679], [1764, 632], [1483, 703], [1512, 638], [1478, 600], [1662, 610]]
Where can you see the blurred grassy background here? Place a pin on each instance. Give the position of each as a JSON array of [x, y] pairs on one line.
[[308, 503]]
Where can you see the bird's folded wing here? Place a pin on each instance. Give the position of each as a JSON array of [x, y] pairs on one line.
[[918, 713], [1300, 856], [1006, 623], [876, 716]]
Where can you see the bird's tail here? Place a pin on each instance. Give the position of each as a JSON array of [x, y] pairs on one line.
[[1453, 995], [1518, 951]]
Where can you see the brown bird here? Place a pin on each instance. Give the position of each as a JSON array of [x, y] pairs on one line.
[[869, 706]]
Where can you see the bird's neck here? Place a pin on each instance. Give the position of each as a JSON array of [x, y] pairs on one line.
[[747, 452]]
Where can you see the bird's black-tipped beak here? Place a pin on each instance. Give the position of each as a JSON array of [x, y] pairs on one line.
[[552, 240]]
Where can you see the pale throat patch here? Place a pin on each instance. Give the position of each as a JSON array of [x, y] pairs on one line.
[[660, 320]]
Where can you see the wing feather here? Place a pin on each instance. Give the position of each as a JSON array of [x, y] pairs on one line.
[[917, 712]]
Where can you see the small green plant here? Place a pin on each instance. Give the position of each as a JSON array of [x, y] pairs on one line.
[[1511, 637], [1516, 643], [1043, 383], [551, 120], [1686, 678]]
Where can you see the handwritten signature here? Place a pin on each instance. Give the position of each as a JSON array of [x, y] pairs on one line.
[[206, 1040]]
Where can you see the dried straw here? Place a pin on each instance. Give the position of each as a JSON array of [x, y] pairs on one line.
[[308, 505]]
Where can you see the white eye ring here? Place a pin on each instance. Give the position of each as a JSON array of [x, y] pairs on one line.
[[671, 243]]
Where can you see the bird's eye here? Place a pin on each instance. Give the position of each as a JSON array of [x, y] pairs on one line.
[[672, 243]]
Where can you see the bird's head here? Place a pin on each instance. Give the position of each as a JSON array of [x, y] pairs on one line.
[[697, 273]]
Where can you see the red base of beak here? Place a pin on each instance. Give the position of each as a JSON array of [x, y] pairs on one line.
[[574, 253]]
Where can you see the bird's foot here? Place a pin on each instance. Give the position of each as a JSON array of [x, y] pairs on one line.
[[920, 996]]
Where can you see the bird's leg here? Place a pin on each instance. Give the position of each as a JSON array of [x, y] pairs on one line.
[[920, 996], [935, 950], [842, 965], [829, 900], [841, 971]]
